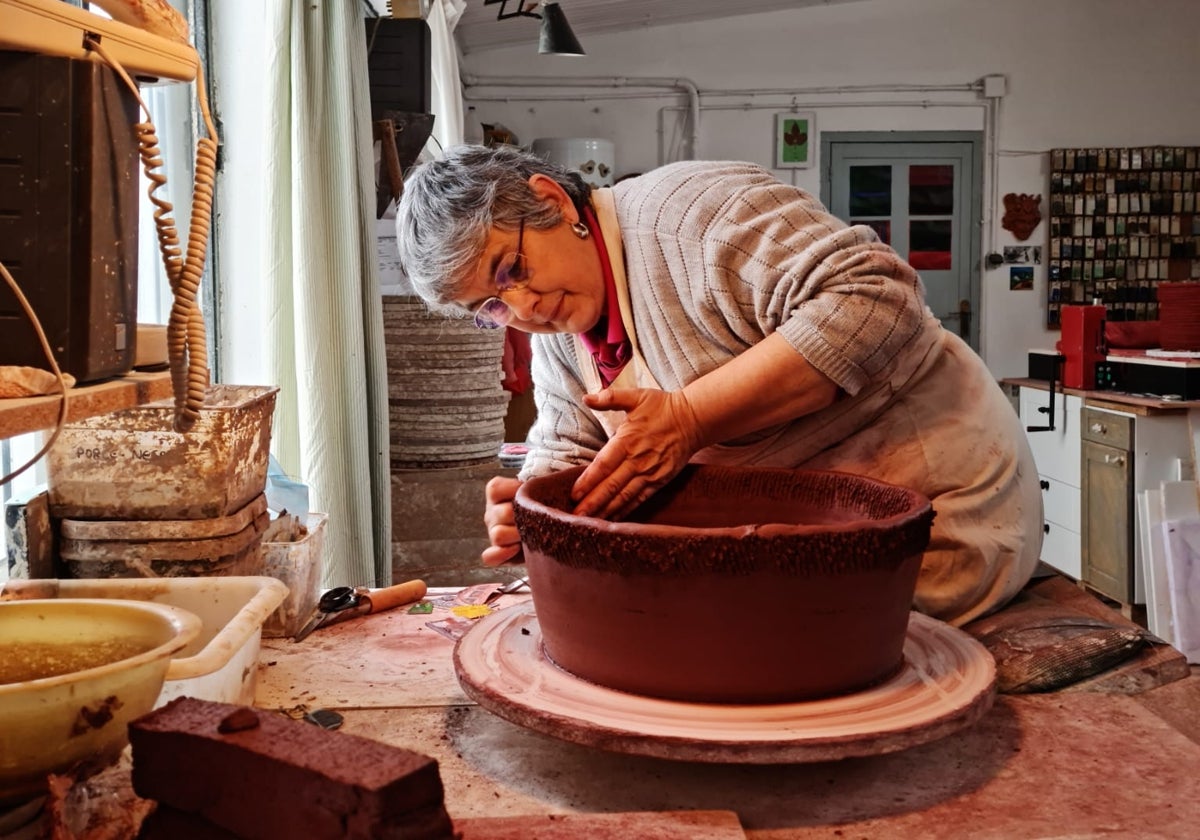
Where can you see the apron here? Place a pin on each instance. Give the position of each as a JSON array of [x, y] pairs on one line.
[[635, 374]]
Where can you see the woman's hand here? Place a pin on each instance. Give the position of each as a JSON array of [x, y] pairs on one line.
[[501, 525], [659, 436], [766, 385]]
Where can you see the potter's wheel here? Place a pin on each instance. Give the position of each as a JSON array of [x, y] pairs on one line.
[[947, 683]]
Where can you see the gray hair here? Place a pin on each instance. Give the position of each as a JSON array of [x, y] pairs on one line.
[[449, 205]]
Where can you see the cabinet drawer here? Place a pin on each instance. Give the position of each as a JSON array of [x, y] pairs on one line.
[[1107, 428], [1060, 502], [1061, 549], [1056, 453]]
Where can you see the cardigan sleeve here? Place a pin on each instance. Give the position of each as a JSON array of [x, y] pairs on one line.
[[852, 306], [565, 433], [744, 255]]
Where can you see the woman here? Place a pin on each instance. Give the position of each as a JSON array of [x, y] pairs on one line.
[[706, 312]]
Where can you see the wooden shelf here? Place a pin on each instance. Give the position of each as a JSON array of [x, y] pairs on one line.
[[32, 414]]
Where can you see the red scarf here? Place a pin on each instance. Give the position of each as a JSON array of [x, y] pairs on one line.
[[606, 341]]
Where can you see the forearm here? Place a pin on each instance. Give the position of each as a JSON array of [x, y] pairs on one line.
[[766, 385]]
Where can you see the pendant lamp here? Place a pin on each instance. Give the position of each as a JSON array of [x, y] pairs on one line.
[[557, 37]]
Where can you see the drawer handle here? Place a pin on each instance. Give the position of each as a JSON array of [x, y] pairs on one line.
[[1099, 429], [1118, 460], [1046, 527], [1045, 484]]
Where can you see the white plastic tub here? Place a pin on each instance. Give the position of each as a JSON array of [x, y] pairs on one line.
[[221, 664], [295, 556]]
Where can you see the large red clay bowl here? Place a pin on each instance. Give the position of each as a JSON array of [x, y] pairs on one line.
[[731, 585]]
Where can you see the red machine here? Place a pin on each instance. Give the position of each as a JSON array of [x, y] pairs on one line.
[[1082, 345]]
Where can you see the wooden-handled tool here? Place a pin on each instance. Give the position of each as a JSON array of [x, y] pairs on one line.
[[342, 603], [391, 597]]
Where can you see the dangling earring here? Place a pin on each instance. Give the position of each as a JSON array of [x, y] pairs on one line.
[[580, 230]]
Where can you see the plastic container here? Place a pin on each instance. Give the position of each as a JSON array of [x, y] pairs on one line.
[[221, 663], [132, 465], [296, 558]]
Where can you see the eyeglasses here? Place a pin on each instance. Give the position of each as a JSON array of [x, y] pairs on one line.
[[511, 276]]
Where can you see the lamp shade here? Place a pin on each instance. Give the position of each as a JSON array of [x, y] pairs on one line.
[[557, 37]]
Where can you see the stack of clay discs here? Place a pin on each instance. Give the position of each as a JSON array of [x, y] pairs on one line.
[[445, 399], [1179, 316]]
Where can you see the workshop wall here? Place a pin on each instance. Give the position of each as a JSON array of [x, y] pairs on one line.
[[1078, 73]]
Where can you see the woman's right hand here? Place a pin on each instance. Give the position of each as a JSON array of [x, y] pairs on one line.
[[501, 524]]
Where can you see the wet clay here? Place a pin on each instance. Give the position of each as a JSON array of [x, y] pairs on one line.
[[733, 585]]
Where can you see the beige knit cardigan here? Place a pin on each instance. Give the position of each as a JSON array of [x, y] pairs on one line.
[[719, 255]]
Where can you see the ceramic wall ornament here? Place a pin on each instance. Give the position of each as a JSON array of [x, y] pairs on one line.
[[1022, 213]]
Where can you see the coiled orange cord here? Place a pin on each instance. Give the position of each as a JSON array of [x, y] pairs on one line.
[[187, 347]]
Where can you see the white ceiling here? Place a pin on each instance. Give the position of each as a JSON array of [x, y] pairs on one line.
[[479, 29]]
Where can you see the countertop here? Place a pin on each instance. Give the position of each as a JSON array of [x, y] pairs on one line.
[[1076, 764], [1133, 403]]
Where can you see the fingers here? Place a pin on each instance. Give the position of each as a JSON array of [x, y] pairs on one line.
[[499, 555], [611, 458], [615, 399], [618, 480], [621, 491], [501, 489], [652, 445], [499, 493], [501, 523], [634, 436]]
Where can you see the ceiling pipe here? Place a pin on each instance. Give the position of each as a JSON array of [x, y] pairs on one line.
[[687, 86]]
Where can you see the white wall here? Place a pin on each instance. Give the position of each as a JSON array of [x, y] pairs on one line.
[[1079, 73]]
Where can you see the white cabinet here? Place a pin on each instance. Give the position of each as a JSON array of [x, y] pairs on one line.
[[1148, 447], [1056, 453]]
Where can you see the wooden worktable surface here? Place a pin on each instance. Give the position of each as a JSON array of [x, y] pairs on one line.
[[1036, 766]]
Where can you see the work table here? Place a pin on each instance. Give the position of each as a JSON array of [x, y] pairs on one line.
[[1035, 766]]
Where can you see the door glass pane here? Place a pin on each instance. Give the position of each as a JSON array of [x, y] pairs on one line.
[[882, 228], [871, 190], [929, 244], [930, 190]]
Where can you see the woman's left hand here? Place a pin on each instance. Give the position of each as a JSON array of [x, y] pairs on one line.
[[659, 436]]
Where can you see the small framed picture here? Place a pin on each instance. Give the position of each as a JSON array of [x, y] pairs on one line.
[[795, 139], [1020, 277], [1016, 253]]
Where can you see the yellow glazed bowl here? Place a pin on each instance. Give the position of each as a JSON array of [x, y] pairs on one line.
[[73, 674]]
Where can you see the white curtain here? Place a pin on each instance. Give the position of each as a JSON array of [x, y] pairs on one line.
[[297, 272], [445, 87]]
